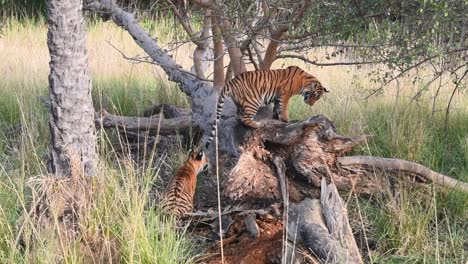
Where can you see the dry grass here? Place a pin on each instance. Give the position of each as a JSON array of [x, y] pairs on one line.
[[418, 225]]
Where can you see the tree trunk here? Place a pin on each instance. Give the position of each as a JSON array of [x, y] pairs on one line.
[[71, 113], [202, 95]]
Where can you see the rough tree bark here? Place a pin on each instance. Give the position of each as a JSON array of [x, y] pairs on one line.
[[71, 113], [312, 150]]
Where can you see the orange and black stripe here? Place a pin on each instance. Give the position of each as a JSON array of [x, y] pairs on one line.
[[252, 89], [178, 196]]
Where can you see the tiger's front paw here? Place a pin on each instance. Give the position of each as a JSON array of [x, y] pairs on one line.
[[285, 119], [254, 125]]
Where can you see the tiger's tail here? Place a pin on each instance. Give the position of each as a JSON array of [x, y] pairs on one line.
[[219, 110]]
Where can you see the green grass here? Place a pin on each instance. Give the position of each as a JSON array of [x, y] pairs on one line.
[[144, 236], [130, 96], [119, 211], [419, 225]]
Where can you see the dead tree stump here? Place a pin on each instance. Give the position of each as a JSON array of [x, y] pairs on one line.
[[309, 149], [289, 162], [312, 150]]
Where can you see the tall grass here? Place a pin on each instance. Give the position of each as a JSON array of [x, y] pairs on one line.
[[416, 225], [119, 215], [120, 210]]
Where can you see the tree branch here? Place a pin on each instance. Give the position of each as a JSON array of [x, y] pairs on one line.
[[398, 165], [276, 36], [189, 83], [407, 69], [143, 60], [235, 54], [447, 110], [251, 58], [300, 57], [185, 24], [202, 52], [218, 47]]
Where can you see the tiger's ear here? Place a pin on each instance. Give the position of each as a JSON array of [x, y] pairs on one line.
[[200, 155], [325, 90]]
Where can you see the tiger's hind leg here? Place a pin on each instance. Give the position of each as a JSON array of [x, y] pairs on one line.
[[247, 118], [249, 121]]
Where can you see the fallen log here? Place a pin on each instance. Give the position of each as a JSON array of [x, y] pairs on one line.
[[168, 111], [161, 125], [307, 228], [401, 166]]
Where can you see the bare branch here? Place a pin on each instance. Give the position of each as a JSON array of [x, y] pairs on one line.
[[258, 53], [336, 218], [251, 58], [202, 52], [270, 53], [189, 83], [185, 24], [398, 165], [447, 111], [143, 60], [229, 73], [233, 48], [276, 36], [407, 69], [218, 54], [326, 63]]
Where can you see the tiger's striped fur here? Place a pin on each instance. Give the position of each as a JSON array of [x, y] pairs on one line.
[[250, 90], [178, 196]]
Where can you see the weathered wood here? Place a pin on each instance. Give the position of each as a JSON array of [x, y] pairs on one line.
[[401, 166], [164, 126], [252, 180], [251, 225], [336, 219], [312, 150], [169, 111], [308, 148], [323, 227], [212, 215], [308, 228]]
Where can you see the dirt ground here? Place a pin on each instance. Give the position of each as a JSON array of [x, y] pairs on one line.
[[244, 249]]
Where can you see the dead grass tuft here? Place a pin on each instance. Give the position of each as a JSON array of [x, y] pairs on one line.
[[61, 211]]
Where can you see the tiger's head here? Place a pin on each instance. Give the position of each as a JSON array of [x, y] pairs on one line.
[[198, 160], [312, 92]]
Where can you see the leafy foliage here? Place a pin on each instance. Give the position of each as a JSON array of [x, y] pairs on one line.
[[402, 34]]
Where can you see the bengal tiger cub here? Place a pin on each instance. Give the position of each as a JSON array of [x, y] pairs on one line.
[[252, 89], [178, 196]]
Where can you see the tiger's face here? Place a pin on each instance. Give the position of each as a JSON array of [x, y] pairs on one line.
[[198, 160], [313, 92]]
